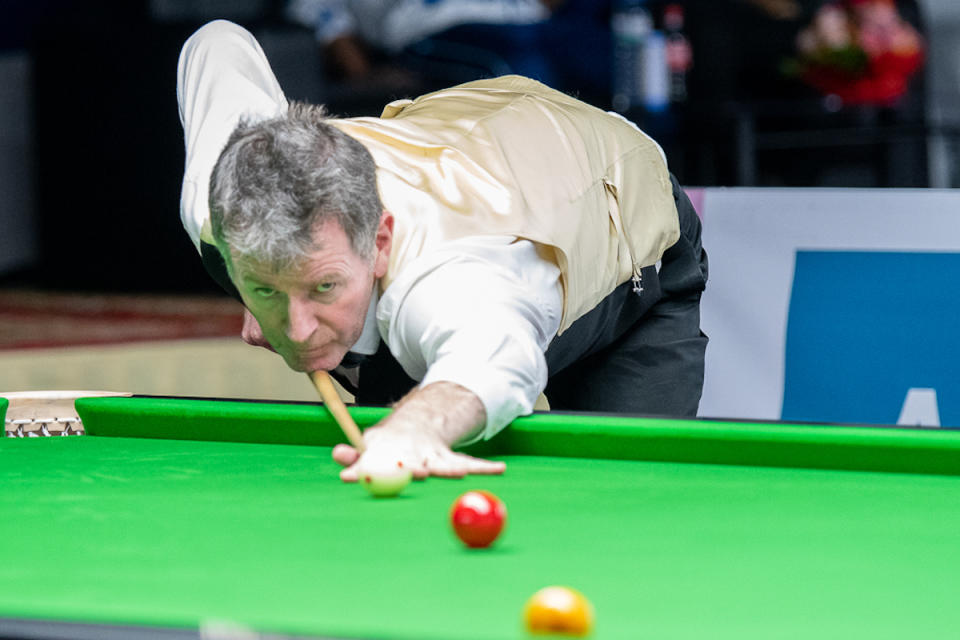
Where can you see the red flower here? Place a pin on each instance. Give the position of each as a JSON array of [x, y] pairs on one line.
[[859, 50]]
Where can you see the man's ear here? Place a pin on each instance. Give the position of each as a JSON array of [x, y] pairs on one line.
[[383, 243]]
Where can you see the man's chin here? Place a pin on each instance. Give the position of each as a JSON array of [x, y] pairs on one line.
[[307, 364]]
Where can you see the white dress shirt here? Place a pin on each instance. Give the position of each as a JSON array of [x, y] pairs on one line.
[[478, 311]]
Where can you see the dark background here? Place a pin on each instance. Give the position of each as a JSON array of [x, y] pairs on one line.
[[108, 149]]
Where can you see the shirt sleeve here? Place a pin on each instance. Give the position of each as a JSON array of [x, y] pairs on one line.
[[222, 76], [481, 316]]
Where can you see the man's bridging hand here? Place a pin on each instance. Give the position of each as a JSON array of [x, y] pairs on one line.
[[419, 434]]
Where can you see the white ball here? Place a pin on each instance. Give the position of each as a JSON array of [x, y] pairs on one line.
[[385, 485]]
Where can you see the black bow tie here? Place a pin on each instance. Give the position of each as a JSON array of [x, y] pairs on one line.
[[353, 360]]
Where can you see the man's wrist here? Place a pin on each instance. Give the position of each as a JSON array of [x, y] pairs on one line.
[[448, 411]]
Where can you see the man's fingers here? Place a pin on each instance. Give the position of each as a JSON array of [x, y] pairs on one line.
[[345, 455], [447, 466], [420, 471], [441, 463], [479, 466], [458, 465], [349, 474], [444, 463]]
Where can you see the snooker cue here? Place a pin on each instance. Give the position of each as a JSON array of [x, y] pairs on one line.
[[324, 385]]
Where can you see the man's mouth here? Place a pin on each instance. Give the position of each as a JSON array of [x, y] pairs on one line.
[[312, 359]]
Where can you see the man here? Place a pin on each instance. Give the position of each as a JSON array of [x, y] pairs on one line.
[[478, 245]]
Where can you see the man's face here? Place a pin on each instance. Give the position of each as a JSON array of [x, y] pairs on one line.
[[313, 312]]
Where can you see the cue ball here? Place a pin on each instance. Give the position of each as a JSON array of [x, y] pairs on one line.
[[477, 518], [558, 610], [385, 485]]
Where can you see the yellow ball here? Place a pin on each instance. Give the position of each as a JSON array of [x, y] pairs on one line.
[[558, 610]]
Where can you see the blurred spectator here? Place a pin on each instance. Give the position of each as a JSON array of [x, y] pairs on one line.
[[777, 9], [740, 44], [562, 43], [743, 43]]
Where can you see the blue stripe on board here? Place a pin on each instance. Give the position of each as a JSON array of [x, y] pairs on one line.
[[864, 328]]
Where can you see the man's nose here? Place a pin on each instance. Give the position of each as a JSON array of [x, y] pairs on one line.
[[301, 320]]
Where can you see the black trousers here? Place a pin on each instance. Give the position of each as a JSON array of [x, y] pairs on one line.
[[641, 354]]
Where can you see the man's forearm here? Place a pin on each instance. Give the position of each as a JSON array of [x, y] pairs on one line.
[[450, 411]]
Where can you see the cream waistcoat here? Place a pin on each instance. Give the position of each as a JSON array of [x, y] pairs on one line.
[[510, 156]]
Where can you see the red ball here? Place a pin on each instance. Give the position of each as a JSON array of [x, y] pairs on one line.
[[477, 518]]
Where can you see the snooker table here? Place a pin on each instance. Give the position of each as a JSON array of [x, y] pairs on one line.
[[203, 518]]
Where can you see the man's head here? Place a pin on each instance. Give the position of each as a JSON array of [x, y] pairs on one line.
[[295, 212], [278, 180]]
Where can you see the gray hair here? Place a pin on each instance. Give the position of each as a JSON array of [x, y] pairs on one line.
[[278, 180]]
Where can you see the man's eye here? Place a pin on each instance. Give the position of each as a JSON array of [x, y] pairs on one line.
[[264, 292], [326, 287]]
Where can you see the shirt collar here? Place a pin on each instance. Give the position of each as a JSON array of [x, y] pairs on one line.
[[369, 340]]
